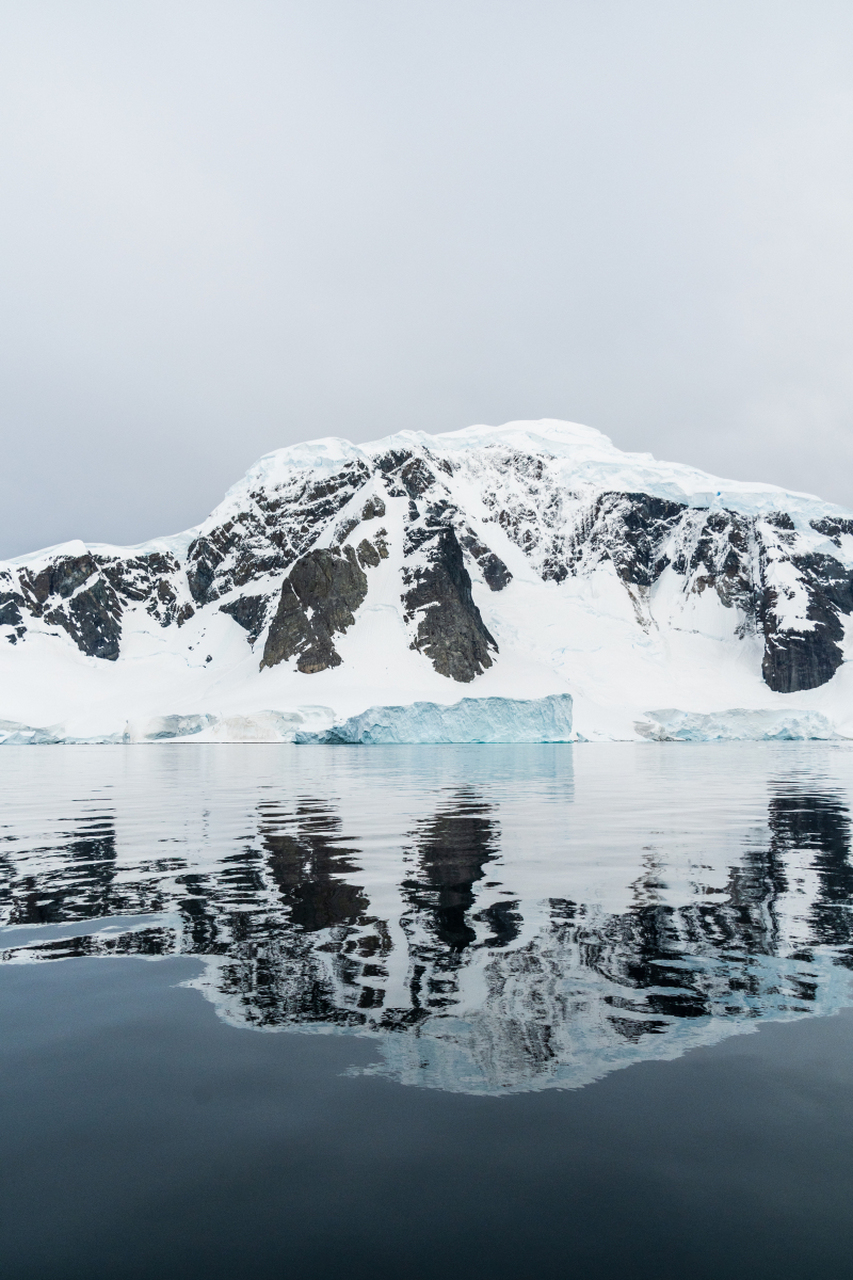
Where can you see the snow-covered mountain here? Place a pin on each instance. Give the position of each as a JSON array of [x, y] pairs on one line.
[[518, 562]]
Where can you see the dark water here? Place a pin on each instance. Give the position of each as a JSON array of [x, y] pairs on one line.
[[392, 1012]]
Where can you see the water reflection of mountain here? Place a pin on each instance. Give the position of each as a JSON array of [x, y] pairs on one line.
[[439, 942]]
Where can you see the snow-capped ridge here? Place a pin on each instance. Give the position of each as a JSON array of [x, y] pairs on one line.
[[324, 455], [596, 464]]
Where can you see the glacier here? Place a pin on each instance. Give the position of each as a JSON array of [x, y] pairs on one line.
[[470, 720], [735, 725]]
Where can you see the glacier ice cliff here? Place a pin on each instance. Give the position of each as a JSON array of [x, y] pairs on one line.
[[482, 720], [471, 720], [735, 725]]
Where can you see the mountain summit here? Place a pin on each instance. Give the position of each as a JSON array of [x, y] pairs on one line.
[[518, 562]]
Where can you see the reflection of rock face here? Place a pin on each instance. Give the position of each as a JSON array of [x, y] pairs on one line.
[[454, 848], [85, 887], [468, 985], [821, 825], [308, 865]]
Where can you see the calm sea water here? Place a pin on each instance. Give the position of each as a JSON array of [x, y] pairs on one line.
[[491, 1011]]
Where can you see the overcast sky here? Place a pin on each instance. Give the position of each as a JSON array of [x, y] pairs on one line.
[[229, 225]]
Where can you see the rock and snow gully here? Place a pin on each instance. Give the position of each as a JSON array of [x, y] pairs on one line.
[[479, 586]]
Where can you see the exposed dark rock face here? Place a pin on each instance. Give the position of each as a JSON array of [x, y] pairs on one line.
[[10, 610], [201, 569], [344, 529], [632, 530], [829, 585], [332, 586], [92, 619], [61, 578], [291, 632], [801, 658], [416, 478], [533, 512], [368, 555], [493, 569], [450, 630], [409, 474], [87, 595], [250, 612], [276, 527], [716, 550], [564, 535], [752, 563], [833, 527], [780, 520], [373, 507], [152, 577], [72, 593]]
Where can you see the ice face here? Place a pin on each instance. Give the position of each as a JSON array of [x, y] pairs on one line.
[[471, 720], [735, 725]]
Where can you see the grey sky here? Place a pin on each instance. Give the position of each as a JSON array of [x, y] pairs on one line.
[[229, 226]]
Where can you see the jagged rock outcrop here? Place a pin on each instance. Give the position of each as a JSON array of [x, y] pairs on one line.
[[369, 556], [450, 629], [249, 612], [269, 531], [71, 592], [152, 578], [807, 656], [11, 605], [318, 600], [87, 596]]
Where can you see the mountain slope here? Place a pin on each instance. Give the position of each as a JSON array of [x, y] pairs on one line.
[[519, 562]]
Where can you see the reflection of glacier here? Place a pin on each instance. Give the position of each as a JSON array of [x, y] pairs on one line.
[[499, 920]]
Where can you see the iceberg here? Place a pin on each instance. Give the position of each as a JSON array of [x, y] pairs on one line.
[[471, 720], [735, 725], [14, 734]]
